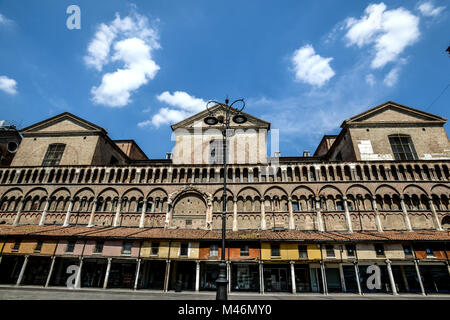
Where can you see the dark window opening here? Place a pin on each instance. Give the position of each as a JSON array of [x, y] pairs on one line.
[[402, 147], [54, 154]]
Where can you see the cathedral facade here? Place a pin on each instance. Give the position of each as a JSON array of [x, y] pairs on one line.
[[376, 195]]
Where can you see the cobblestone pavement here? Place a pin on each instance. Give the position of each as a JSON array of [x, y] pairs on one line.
[[36, 293]]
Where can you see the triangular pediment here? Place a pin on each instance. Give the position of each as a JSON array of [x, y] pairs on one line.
[[62, 123], [392, 113], [197, 120]]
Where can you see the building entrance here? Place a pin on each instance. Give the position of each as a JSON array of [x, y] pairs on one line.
[[277, 278]]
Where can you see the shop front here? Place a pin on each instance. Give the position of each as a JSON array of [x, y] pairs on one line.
[[10, 267], [277, 277], [245, 277], [183, 275], [152, 274], [405, 277], [302, 278], [36, 271], [385, 282], [351, 284], [333, 278], [436, 278], [209, 272], [93, 273], [60, 275], [122, 274]]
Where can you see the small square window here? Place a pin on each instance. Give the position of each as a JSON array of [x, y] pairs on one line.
[[214, 250], [17, 245], [154, 249], [98, 247], [244, 251], [295, 206], [350, 250], [126, 248], [407, 250], [184, 249], [70, 247], [330, 251], [379, 249], [302, 252], [429, 252], [275, 250], [38, 246]]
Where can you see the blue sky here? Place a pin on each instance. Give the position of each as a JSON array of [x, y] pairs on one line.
[[305, 66]]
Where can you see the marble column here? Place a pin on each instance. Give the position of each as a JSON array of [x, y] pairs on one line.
[[44, 212], [69, 210], [391, 278], [405, 213], [293, 287], [419, 277], [320, 226], [136, 277], [263, 215], [22, 271], [348, 219], [144, 209], [291, 215], [358, 280], [235, 215], [91, 217], [117, 216], [19, 212], [377, 215], [108, 269], [49, 276], [197, 276], [437, 223], [341, 275]]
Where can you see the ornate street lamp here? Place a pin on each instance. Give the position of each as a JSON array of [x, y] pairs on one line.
[[211, 119]]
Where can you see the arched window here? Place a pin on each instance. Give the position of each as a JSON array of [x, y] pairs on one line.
[[402, 147]]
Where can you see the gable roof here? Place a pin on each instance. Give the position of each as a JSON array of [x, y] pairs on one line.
[[203, 114], [415, 115], [84, 124]]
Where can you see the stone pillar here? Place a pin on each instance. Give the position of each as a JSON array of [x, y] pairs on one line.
[[263, 215], [405, 213], [44, 213], [283, 174], [293, 288], [49, 276], [78, 277], [144, 209], [138, 176], [69, 210], [167, 276], [19, 212], [341, 275], [419, 277], [358, 281], [319, 215], [261, 278], [324, 278], [22, 271], [235, 215], [348, 219], [108, 268], [377, 215], [117, 216], [291, 215], [229, 275], [197, 276], [136, 278], [437, 223], [405, 280], [169, 213], [91, 217], [391, 278]]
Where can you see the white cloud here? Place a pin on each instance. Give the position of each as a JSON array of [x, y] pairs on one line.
[[370, 79], [8, 85], [4, 20], [310, 67], [392, 77], [389, 31], [132, 41], [183, 106], [428, 9]]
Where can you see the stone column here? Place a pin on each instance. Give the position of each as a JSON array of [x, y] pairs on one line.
[[19, 212], [49, 276], [235, 215], [91, 217], [419, 277], [69, 210], [169, 213], [358, 281], [117, 216], [22, 271], [324, 278], [144, 209], [405, 280], [108, 268], [391, 277], [405, 213], [136, 278], [437, 223], [293, 288], [291, 215], [348, 219], [197, 276], [341, 275], [377, 215], [167, 276], [44, 213], [448, 267], [78, 277], [261, 278], [229, 275], [319, 215], [263, 215]]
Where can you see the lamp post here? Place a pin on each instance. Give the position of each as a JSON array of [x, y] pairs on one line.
[[211, 119]]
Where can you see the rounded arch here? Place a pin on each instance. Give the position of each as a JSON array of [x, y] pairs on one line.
[[248, 191], [157, 193], [190, 202], [412, 189], [219, 193], [440, 189], [35, 191], [302, 191], [275, 192], [133, 192], [108, 192], [84, 192], [329, 190], [446, 222], [357, 189], [13, 192], [386, 189]]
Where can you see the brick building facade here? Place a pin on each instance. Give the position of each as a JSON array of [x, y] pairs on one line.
[[375, 194]]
